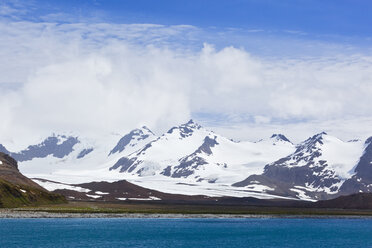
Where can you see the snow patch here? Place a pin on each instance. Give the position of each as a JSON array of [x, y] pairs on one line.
[[51, 186], [151, 198], [302, 195], [101, 193], [93, 196]]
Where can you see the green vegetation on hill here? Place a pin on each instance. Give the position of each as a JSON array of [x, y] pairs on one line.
[[17, 196], [16, 190]]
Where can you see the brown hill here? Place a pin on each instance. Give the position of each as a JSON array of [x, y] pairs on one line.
[[354, 201], [17, 190]]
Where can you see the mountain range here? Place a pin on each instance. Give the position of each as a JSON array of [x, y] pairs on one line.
[[191, 160]]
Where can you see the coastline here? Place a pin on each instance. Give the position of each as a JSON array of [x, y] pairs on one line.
[[22, 214]]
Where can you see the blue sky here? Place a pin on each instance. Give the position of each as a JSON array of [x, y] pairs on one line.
[[315, 17], [250, 23], [247, 68]]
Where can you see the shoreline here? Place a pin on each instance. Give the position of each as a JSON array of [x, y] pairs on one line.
[[17, 214]]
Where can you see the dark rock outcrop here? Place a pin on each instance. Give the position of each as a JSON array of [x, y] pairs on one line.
[[134, 135], [190, 163], [84, 152], [50, 146], [186, 129], [280, 137]]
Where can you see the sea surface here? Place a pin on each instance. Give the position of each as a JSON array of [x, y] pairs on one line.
[[216, 233]]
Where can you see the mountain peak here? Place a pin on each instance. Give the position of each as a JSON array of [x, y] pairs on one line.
[[186, 129], [280, 137], [132, 138], [191, 121], [147, 129], [321, 134], [3, 149], [311, 144], [191, 124], [316, 138], [368, 141]]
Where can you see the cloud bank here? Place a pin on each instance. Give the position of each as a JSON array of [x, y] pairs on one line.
[[100, 78]]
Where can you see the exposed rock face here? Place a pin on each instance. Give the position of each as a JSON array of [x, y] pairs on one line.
[[361, 181], [84, 152], [3, 149], [192, 162], [9, 172], [186, 130], [280, 137], [124, 164], [57, 146], [131, 139]]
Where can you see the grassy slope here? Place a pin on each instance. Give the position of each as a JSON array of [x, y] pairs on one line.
[[12, 195]]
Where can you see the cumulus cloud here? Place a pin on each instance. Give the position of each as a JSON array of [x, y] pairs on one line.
[[95, 79]]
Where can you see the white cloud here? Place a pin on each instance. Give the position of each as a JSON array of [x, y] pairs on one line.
[[99, 78]]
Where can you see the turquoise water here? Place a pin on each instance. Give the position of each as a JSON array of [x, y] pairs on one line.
[[171, 233]]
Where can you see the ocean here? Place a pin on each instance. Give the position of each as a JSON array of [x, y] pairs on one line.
[[203, 233]]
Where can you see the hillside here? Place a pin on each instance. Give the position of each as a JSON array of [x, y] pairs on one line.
[[17, 190], [354, 201]]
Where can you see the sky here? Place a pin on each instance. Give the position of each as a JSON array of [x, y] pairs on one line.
[[245, 69]]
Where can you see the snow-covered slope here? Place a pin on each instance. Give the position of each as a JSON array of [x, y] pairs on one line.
[[78, 158], [192, 152], [361, 181], [317, 169], [155, 156]]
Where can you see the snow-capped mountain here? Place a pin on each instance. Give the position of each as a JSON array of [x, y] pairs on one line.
[[316, 170], [166, 150], [61, 154], [190, 151], [191, 160]]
